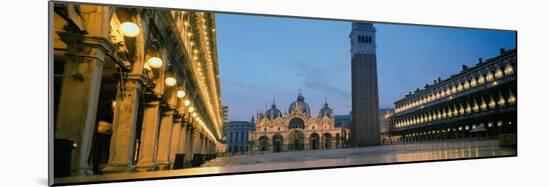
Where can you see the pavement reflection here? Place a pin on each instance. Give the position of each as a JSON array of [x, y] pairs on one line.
[[322, 158]]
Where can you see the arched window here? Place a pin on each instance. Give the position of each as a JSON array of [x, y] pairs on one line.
[[370, 39], [296, 123], [358, 38]]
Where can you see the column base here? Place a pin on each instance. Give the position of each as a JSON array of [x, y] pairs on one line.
[[140, 167], [164, 165], [118, 168], [82, 172]]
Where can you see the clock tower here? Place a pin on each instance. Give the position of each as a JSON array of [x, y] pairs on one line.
[[365, 130]]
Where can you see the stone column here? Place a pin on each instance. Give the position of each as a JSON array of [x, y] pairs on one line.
[[196, 146], [149, 132], [174, 141], [122, 148], [188, 147], [183, 139], [150, 127], [203, 144], [163, 151], [79, 96], [181, 144]]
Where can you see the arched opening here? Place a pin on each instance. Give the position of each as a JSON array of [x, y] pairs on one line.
[[296, 140], [263, 143], [314, 141], [277, 143], [296, 123], [327, 140]]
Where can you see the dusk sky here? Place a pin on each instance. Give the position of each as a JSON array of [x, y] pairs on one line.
[[262, 58]]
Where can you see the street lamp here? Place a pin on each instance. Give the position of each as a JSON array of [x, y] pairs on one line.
[[154, 62], [170, 81], [129, 29], [181, 93], [186, 102]]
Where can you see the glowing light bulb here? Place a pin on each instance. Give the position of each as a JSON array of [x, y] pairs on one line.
[[170, 81], [154, 62], [186, 102], [129, 29], [191, 109], [181, 93]]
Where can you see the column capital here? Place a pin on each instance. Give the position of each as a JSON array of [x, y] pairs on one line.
[[152, 96], [178, 117], [151, 104], [86, 47]]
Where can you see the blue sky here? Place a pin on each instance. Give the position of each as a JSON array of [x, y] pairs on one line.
[[265, 58]]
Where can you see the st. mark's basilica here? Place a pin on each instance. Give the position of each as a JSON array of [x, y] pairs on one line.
[[296, 129]]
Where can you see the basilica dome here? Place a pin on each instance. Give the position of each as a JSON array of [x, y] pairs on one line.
[[325, 111], [299, 105], [273, 112]]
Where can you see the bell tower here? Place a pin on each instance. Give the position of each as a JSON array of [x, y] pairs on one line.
[[365, 130]]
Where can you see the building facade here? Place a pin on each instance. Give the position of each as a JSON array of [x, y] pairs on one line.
[[134, 89], [296, 129], [344, 122], [478, 101], [237, 135], [384, 125], [364, 86]]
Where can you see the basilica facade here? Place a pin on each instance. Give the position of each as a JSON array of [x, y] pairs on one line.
[[295, 129]]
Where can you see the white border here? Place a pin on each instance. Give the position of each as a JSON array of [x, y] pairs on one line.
[[24, 92]]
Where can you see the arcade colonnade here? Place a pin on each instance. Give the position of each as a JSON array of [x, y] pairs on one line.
[[477, 102], [297, 140], [134, 89]]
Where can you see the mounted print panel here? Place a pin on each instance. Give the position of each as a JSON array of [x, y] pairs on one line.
[[151, 93]]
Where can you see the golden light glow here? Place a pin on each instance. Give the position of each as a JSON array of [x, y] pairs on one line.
[[476, 107], [455, 111], [498, 73], [194, 114], [191, 109], [481, 79], [492, 102], [483, 104], [489, 76], [170, 81], [186, 102], [154, 62], [509, 69], [129, 29], [511, 98], [181, 93], [473, 83], [467, 85], [501, 101]]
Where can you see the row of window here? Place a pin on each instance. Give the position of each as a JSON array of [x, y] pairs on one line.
[[460, 128], [238, 137], [457, 87], [457, 110], [364, 39]]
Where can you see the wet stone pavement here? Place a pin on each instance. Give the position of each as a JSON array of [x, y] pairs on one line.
[[441, 150]]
